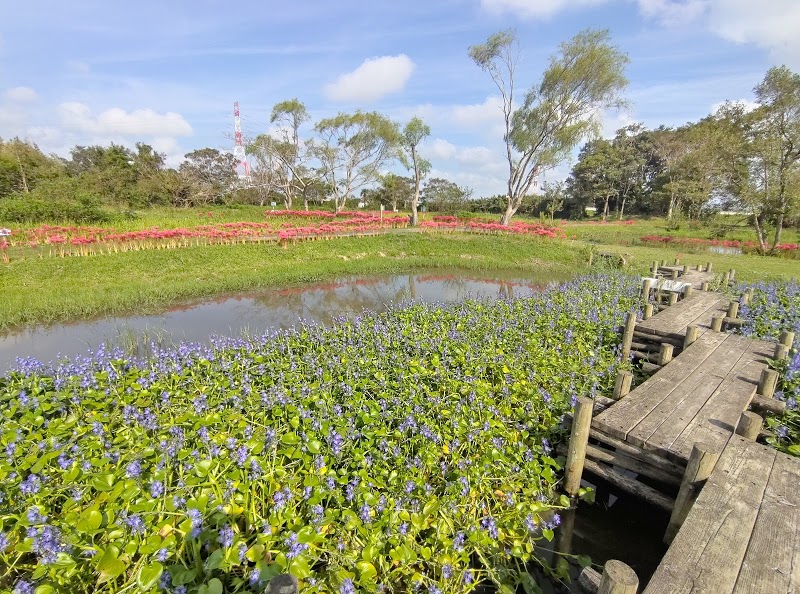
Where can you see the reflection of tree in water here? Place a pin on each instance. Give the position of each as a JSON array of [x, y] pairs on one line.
[[324, 302]]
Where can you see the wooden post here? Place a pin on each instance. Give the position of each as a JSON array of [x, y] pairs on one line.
[[685, 269], [725, 279], [283, 584], [677, 261], [654, 269], [732, 275], [745, 300], [716, 323], [578, 440], [767, 383], [665, 353], [591, 258], [699, 268], [673, 298], [704, 286], [627, 335], [646, 286], [781, 352], [733, 309], [618, 578], [663, 262], [701, 464], [565, 531], [691, 335], [709, 266], [648, 311], [622, 385], [787, 338], [674, 275], [749, 425], [687, 291]]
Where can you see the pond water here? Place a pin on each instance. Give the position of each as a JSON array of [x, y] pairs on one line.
[[257, 312], [725, 251]]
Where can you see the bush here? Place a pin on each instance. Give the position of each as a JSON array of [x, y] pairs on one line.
[[37, 210]]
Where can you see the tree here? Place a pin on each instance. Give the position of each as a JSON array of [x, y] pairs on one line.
[[598, 173], [585, 77], [210, 173], [352, 149], [552, 199], [445, 196], [23, 166], [393, 190], [412, 135]]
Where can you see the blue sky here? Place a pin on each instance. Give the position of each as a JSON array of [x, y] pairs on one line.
[[167, 72]]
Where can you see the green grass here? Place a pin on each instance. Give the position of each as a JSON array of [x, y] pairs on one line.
[[52, 289], [55, 289]]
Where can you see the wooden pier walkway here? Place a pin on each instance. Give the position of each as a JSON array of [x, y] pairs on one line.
[[688, 434]]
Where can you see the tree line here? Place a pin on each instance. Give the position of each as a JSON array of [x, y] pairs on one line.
[[737, 158]]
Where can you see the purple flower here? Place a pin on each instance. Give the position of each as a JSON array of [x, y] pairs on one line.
[[4, 542], [225, 537], [447, 571], [347, 587], [134, 469], [458, 542], [295, 547], [30, 486], [135, 523], [490, 526], [162, 554], [22, 587], [156, 489], [364, 514]]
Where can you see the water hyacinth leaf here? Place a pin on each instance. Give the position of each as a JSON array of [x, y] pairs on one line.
[[148, 576], [366, 571], [44, 589], [89, 521], [214, 560], [109, 565]]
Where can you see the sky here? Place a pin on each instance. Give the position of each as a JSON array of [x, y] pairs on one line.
[[167, 72]]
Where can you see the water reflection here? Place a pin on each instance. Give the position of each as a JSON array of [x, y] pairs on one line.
[[260, 311]]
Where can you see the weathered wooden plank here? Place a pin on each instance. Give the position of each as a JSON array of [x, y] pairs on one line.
[[772, 561], [680, 315], [625, 414], [707, 553], [667, 421], [674, 470], [715, 422], [649, 494]]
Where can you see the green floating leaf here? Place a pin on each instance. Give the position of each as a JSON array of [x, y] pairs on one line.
[[148, 576]]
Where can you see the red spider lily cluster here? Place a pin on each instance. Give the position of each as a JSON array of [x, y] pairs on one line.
[[600, 223], [516, 227], [729, 243]]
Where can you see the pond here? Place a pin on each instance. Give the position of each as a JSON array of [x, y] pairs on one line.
[[257, 312]]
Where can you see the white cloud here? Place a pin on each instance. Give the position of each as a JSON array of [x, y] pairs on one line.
[[672, 12], [116, 121], [479, 114], [771, 24], [536, 9], [440, 149], [374, 79], [746, 104], [21, 95]]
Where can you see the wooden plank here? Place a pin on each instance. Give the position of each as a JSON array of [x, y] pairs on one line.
[[667, 421], [649, 494], [708, 551], [772, 561], [625, 414], [651, 459], [680, 315]]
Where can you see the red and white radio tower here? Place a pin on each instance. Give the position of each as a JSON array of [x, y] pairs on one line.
[[238, 147]]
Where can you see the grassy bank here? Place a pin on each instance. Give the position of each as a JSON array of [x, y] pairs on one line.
[[56, 289], [53, 289]]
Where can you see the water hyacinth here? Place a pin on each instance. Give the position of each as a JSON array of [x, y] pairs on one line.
[[774, 308], [386, 447]]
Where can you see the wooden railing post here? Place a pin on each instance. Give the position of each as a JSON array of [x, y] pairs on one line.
[[701, 464], [673, 298], [781, 352], [622, 385], [627, 335], [787, 338], [749, 425], [578, 440], [618, 578], [733, 309], [691, 335], [665, 353], [704, 286], [648, 311], [732, 275], [767, 383], [646, 286], [687, 291], [709, 267], [716, 323], [725, 279], [283, 584]]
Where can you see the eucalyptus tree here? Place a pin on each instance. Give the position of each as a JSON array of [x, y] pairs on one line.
[[414, 132], [585, 77], [351, 149]]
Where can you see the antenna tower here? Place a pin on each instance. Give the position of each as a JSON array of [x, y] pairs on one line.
[[238, 146]]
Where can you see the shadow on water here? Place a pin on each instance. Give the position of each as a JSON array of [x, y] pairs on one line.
[[617, 526], [257, 312]]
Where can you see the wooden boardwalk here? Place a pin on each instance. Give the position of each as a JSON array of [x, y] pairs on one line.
[[698, 397], [742, 535], [735, 519]]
